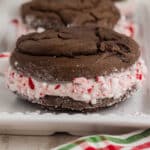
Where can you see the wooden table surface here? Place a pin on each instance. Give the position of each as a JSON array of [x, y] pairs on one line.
[[8, 142]]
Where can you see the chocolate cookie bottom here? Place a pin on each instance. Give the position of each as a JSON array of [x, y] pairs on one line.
[[66, 104]]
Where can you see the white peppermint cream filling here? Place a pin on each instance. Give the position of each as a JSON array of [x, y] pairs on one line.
[[114, 85]]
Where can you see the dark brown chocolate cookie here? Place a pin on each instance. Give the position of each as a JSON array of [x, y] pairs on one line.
[[63, 54], [62, 104], [58, 13]]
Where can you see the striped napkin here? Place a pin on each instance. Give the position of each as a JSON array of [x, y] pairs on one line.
[[135, 141]]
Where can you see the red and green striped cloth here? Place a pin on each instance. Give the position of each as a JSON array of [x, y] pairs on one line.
[[135, 141]]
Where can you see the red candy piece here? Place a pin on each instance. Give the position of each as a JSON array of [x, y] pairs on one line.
[[21, 75], [12, 74], [131, 29], [90, 148], [97, 79], [41, 94], [15, 21], [89, 90], [31, 84], [112, 147], [57, 86], [139, 76], [3, 55]]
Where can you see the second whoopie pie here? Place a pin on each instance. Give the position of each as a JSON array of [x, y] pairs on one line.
[[68, 13]]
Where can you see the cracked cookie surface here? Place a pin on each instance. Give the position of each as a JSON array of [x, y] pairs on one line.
[[58, 13], [66, 53]]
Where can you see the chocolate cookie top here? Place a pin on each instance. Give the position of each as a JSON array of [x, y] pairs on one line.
[[66, 53], [58, 13]]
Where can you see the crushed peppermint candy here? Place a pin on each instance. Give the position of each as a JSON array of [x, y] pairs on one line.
[[31, 84], [89, 90], [80, 89], [139, 76], [57, 86], [131, 29]]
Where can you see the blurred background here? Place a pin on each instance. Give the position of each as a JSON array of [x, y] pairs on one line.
[[137, 10], [9, 11]]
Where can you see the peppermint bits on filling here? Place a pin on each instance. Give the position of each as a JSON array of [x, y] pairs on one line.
[[31, 84], [89, 90], [139, 76], [57, 86], [97, 79]]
